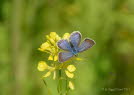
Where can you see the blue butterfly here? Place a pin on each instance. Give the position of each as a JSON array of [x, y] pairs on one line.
[[73, 46]]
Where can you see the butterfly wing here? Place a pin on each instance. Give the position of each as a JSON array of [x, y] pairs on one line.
[[86, 44], [64, 56], [64, 45], [75, 38]]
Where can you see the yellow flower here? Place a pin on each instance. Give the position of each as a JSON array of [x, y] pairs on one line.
[[69, 74], [53, 38], [51, 69], [50, 46], [50, 57], [71, 68], [47, 74], [44, 46], [42, 66], [71, 85], [53, 34], [66, 36], [55, 57]]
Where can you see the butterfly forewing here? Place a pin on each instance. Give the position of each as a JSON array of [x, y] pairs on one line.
[[64, 44], [75, 39], [64, 56], [86, 44]]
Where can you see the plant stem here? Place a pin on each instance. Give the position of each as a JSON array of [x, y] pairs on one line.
[[49, 93], [67, 89], [59, 87]]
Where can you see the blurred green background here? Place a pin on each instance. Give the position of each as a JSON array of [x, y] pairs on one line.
[[109, 65]]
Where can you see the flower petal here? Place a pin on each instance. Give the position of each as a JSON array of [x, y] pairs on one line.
[[51, 69], [42, 66], [54, 76], [52, 41], [44, 46], [70, 75], [58, 38], [47, 74], [66, 36], [71, 68], [40, 49], [53, 34], [50, 57], [55, 58], [71, 85]]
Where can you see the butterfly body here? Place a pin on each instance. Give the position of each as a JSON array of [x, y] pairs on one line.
[[72, 46], [74, 50]]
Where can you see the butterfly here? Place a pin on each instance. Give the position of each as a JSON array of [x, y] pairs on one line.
[[73, 46]]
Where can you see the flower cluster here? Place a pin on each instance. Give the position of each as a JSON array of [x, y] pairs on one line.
[[50, 47]]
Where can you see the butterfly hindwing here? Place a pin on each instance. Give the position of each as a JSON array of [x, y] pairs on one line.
[[86, 44], [64, 44], [75, 38], [64, 56]]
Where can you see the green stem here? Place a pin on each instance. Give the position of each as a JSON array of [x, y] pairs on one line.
[[49, 92], [59, 87], [67, 88]]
